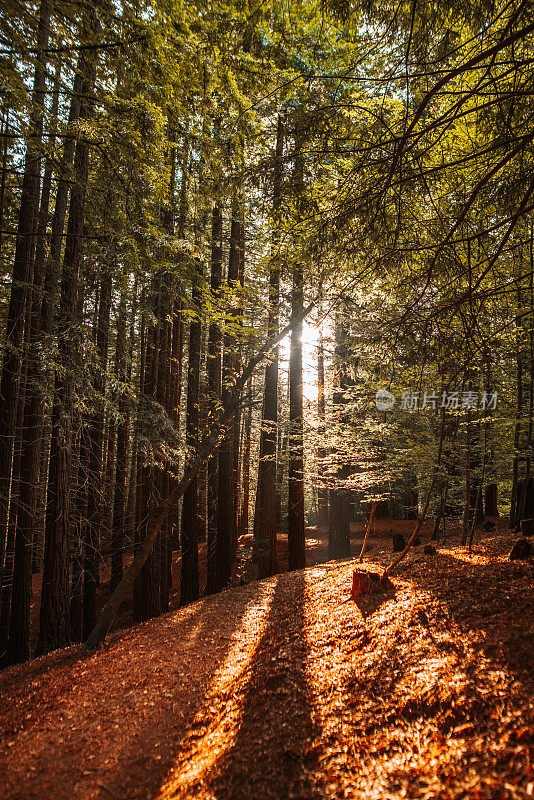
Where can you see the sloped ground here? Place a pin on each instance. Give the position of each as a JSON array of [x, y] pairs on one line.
[[283, 689]]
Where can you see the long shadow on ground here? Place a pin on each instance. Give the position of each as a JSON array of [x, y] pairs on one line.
[[273, 750], [110, 725]]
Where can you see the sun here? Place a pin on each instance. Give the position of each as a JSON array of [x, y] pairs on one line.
[[311, 333]]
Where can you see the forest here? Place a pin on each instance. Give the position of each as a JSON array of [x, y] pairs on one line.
[[267, 314]]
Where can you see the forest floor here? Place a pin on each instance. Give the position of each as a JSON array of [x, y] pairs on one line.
[[284, 688]]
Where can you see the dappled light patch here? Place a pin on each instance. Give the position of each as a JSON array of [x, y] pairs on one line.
[[213, 729], [475, 557]]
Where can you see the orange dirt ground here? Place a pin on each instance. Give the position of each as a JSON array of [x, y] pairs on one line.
[[284, 689]]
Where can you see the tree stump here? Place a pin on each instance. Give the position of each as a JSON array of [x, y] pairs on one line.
[[521, 550], [364, 583]]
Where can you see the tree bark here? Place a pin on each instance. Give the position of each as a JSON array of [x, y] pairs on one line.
[[515, 499], [32, 433], [265, 510], [54, 615], [121, 457], [21, 277], [176, 401], [96, 464], [189, 587], [340, 505], [214, 366], [490, 501], [147, 584], [5, 159], [245, 505], [225, 505], [467, 494], [296, 540], [322, 494]]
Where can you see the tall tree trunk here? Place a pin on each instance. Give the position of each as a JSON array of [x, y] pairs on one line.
[[40, 514], [244, 512], [178, 327], [515, 499], [163, 391], [522, 506], [147, 585], [490, 501], [322, 493], [21, 277], [214, 388], [32, 433], [340, 505], [225, 509], [189, 585], [96, 465], [54, 614], [189, 588], [108, 482], [165, 375], [136, 487], [467, 489], [176, 402], [11, 545], [265, 511], [121, 456], [78, 524], [5, 159], [236, 434], [51, 289], [296, 540]]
